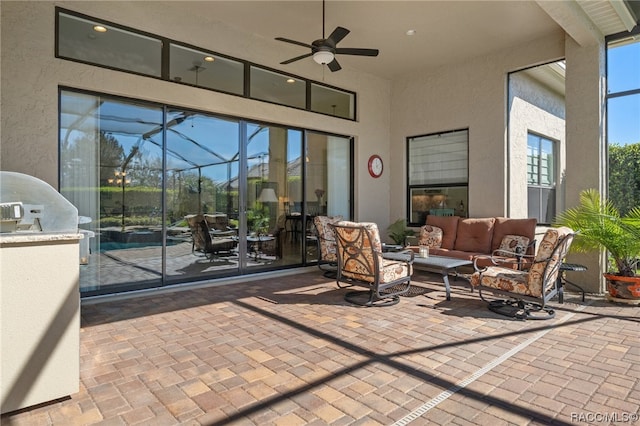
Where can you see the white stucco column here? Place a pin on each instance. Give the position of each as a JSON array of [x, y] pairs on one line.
[[586, 143]]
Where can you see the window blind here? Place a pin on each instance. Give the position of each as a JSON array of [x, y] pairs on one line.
[[439, 159]]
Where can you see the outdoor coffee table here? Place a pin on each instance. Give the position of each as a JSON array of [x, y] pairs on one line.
[[440, 264]]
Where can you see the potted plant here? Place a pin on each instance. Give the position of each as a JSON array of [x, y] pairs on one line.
[[257, 221], [399, 232], [599, 225]]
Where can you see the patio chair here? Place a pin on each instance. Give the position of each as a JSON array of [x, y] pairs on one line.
[[528, 291], [326, 241], [273, 246], [360, 262], [202, 240], [219, 225]]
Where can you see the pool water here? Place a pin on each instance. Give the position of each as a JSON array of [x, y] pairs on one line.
[[108, 246]]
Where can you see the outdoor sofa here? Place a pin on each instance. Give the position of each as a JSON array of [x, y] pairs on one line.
[[467, 238]]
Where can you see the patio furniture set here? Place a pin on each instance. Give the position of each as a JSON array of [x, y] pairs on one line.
[[520, 280], [211, 236]]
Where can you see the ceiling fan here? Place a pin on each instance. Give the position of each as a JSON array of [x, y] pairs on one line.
[[324, 49]]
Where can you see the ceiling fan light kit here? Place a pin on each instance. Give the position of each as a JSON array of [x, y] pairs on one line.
[[324, 49], [323, 57]]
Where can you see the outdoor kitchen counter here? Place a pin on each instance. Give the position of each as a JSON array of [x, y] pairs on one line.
[[37, 237], [39, 318]]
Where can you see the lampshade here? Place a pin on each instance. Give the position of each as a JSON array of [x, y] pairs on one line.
[[323, 57], [268, 195]]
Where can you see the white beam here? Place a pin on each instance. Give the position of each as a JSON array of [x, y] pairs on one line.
[[626, 16], [573, 20]]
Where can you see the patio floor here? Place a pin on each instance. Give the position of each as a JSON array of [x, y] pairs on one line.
[[291, 351]]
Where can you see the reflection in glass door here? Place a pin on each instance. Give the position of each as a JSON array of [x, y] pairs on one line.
[[169, 195], [272, 185], [327, 183], [111, 170], [202, 163]]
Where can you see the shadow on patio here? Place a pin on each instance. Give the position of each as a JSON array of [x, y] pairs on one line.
[[290, 351]]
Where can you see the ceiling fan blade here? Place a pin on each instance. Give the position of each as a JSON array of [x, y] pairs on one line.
[[334, 66], [338, 34], [355, 51], [299, 43], [297, 58]]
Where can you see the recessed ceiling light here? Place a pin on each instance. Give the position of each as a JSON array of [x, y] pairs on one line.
[[290, 80], [411, 32], [209, 58], [99, 29]]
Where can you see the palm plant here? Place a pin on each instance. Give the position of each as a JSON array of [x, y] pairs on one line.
[[399, 232], [599, 225]]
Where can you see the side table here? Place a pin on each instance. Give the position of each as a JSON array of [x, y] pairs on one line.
[[571, 267]]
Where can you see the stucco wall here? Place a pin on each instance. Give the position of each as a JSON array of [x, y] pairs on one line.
[[31, 75], [586, 148], [469, 95]]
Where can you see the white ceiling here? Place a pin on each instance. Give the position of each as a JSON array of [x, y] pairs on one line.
[[446, 31]]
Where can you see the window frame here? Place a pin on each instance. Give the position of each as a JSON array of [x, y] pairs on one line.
[[164, 71], [539, 187], [460, 208], [166, 278]]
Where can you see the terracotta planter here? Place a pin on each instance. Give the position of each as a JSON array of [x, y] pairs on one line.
[[623, 287]]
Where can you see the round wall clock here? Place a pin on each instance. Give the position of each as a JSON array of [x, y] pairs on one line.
[[375, 166]]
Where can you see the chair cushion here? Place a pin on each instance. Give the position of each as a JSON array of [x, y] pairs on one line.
[[222, 244], [512, 244], [449, 225], [217, 221], [545, 250], [507, 279], [362, 252], [376, 243], [326, 237], [475, 235], [430, 236], [505, 226], [392, 270]]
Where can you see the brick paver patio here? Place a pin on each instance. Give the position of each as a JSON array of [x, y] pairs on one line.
[[291, 351]]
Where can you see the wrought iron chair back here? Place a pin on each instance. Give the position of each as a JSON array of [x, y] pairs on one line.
[[360, 262]]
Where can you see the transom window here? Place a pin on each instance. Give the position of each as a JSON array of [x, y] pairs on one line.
[[97, 42]]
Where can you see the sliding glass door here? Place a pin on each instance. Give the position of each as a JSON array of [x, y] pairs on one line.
[[168, 195], [273, 180], [327, 188], [202, 164], [111, 169]]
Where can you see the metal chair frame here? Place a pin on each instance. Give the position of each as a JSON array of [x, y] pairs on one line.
[[202, 241], [359, 252], [523, 306]]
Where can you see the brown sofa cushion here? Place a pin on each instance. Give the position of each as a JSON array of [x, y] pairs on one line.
[[475, 235], [449, 225], [505, 226]]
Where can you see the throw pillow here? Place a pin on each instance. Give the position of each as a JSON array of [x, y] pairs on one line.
[[512, 244], [430, 236]]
